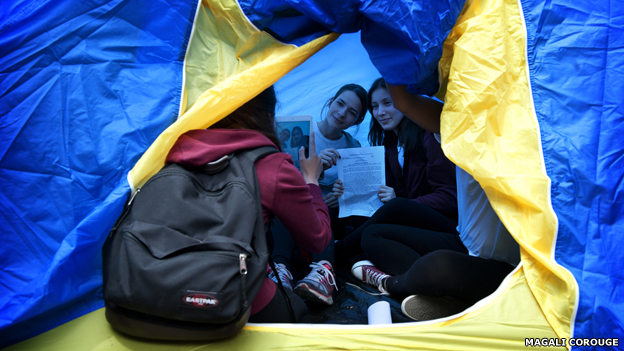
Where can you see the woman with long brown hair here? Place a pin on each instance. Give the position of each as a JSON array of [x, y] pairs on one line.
[[293, 197]]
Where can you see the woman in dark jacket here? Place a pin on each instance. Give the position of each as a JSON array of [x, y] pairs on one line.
[[420, 188]]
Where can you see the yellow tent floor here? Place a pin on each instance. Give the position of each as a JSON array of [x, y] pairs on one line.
[[473, 330]]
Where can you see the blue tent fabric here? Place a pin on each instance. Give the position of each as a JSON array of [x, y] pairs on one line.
[[398, 35], [85, 88], [576, 60], [283, 22]]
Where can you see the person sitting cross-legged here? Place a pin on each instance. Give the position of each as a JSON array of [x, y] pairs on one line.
[[426, 268]]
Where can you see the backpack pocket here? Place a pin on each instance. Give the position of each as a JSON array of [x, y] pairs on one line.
[[159, 271]]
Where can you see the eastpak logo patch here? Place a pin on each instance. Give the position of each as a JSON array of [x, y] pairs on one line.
[[200, 299]]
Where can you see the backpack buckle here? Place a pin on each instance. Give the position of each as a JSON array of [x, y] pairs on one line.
[[217, 166]]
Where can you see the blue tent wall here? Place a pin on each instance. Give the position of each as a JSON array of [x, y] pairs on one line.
[[576, 60], [85, 88], [307, 88], [404, 44]]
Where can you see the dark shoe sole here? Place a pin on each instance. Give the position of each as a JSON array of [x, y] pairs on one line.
[[425, 308], [313, 296]]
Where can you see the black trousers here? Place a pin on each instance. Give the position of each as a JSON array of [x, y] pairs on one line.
[[395, 248], [399, 211], [278, 311], [431, 263], [450, 273], [284, 248]]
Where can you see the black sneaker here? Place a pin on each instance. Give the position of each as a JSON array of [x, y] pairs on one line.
[[425, 308]]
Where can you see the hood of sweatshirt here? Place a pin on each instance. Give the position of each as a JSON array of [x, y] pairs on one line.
[[198, 147]]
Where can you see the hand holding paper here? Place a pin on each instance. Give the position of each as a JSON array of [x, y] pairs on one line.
[[338, 188], [330, 200], [329, 157], [385, 193]]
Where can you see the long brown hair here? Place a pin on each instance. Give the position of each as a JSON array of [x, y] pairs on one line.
[[257, 114]]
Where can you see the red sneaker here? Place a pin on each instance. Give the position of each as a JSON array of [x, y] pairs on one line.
[[369, 274]]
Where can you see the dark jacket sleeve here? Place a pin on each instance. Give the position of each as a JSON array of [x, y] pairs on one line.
[[440, 173], [394, 176]]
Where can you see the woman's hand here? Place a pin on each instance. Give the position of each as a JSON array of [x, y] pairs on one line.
[[329, 157], [312, 166], [330, 200], [338, 188], [385, 193]]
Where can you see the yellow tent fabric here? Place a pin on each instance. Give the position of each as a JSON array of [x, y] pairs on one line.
[[497, 324], [488, 108], [249, 61]]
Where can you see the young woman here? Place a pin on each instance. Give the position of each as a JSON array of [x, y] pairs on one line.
[[297, 140], [439, 273], [345, 109], [291, 196], [284, 135], [420, 185]]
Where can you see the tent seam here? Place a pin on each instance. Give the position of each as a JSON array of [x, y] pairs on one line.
[[186, 53], [543, 166], [130, 183]]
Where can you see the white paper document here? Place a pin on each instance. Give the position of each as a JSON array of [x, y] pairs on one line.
[[362, 171]]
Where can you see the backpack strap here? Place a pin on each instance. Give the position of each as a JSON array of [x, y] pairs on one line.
[[283, 289], [258, 153], [254, 155]]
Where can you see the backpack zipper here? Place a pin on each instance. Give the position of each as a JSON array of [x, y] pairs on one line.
[[243, 264], [243, 271], [133, 196]]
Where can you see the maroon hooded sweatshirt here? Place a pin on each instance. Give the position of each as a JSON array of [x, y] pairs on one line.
[[283, 191]]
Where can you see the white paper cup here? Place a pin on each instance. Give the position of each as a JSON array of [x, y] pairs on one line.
[[379, 313]]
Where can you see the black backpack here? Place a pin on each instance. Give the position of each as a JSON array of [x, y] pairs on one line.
[[189, 252]]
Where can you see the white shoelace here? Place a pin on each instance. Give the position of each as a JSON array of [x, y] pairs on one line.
[[375, 278], [283, 273], [316, 267]]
